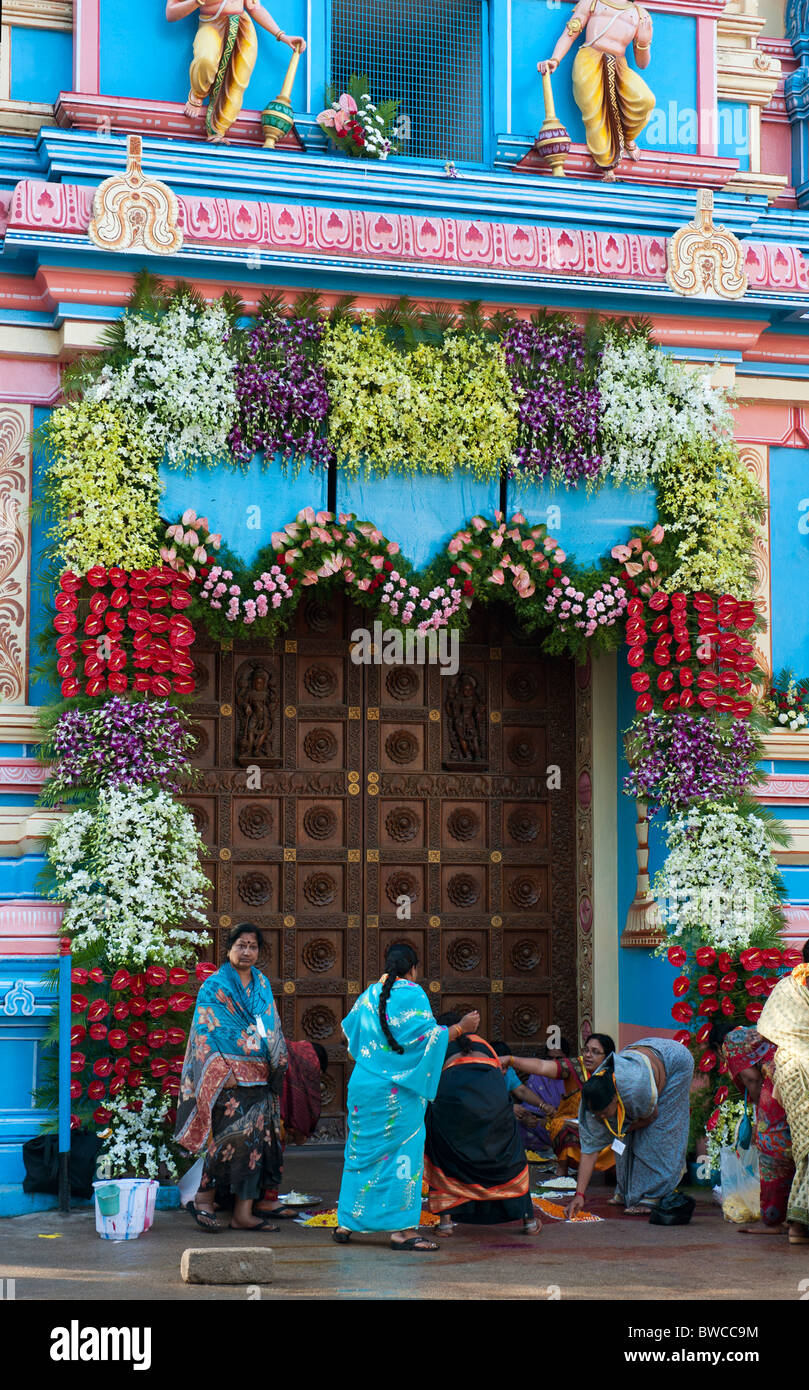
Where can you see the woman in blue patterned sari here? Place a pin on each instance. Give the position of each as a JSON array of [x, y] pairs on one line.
[[398, 1051]]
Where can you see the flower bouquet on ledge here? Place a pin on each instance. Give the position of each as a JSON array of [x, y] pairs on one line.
[[788, 701], [354, 124]]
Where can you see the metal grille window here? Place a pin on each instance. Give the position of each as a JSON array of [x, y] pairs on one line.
[[426, 53]]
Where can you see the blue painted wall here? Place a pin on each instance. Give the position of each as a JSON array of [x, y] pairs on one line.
[[245, 508], [789, 557], [142, 55], [421, 513], [588, 525], [39, 692], [41, 64]]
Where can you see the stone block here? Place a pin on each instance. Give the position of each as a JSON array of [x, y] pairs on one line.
[[228, 1264]]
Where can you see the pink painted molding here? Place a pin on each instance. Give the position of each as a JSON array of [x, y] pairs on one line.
[[629, 1033], [566, 252], [782, 789], [21, 774], [702, 170], [29, 928], [797, 923], [136, 115]]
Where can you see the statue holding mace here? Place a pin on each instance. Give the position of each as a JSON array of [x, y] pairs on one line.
[[225, 52], [614, 100]]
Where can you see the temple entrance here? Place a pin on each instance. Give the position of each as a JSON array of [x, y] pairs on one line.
[[349, 806]]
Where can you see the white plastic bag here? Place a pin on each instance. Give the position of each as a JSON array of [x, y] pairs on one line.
[[741, 1185], [188, 1185]]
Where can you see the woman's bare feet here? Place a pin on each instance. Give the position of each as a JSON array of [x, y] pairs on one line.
[[193, 107], [759, 1229], [798, 1233], [632, 151], [531, 1225], [446, 1226]]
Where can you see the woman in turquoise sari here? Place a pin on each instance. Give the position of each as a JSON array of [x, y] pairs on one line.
[[398, 1051]]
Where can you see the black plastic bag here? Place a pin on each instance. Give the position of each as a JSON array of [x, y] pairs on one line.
[[41, 1159], [674, 1210]]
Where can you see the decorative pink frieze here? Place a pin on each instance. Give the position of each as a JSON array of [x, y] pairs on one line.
[[29, 928], [774, 266], [410, 238], [782, 789], [21, 774], [51, 207]]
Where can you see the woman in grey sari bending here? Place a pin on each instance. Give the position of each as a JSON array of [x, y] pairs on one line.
[[637, 1102]]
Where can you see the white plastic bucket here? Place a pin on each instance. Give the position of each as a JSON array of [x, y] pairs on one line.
[[124, 1207]]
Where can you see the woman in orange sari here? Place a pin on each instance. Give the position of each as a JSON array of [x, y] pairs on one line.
[[563, 1126]]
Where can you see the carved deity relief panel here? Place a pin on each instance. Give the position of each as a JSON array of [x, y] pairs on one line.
[[344, 807]]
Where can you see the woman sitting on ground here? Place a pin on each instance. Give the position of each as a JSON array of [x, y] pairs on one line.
[[534, 1102], [638, 1101], [474, 1158], [398, 1051], [563, 1125], [231, 1083]]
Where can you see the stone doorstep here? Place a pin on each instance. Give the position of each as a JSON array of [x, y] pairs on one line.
[[228, 1264]]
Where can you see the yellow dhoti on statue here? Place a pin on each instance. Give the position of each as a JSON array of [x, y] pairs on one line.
[[614, 101], [225, 52]]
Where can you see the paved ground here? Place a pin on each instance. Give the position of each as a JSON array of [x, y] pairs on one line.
[[627, 1260]]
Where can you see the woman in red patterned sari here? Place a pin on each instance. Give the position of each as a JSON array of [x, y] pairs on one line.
[[751, 1063]]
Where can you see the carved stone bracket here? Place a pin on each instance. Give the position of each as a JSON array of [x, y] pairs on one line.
[[133, 212], [704, 260], [15, 490]]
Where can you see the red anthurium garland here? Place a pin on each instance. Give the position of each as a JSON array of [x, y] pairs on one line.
[[130, 1050], [690, 651], [736, 988], [120, 630]]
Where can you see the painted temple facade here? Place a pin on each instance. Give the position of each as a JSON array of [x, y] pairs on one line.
[[93, 90]]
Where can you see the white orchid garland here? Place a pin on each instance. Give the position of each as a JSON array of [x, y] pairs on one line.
[[135, 1137], [720, 881], [129, 875], [650, 404], [179, 372]]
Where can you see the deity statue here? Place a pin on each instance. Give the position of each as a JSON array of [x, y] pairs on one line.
[[465, 722], [614, 100], [225, 52], [256, 702]]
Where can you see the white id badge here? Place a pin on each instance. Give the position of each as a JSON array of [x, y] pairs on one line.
[[262, 1031], [618, 1146]]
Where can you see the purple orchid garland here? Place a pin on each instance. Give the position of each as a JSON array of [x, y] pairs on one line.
[[122, 743], [559, 405], [282, 399], [681, 758]]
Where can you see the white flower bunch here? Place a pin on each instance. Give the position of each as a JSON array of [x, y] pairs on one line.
[[376, 142], [723, 1134], [128, 873], [136, 1145], [650, 404], [180, 372], [720, 881]]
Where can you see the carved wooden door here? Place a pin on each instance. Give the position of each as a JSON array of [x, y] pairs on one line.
[[345, 807], [470, 819]]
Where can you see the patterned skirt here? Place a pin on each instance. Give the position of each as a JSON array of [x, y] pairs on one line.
[[244, 1155]]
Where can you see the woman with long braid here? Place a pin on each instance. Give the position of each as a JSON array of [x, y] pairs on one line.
[[398, 1051]]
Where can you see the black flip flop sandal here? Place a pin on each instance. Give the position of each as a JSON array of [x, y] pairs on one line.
[[341, 1237], [204, 1219], [418, 1244], [283, 1213]]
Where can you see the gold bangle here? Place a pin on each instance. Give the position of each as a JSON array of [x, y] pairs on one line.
[[574, 26], [643, 47], [279, 36]]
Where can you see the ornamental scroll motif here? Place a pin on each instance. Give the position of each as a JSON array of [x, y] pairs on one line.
[[133, 212], [705, 260], [15, 489]]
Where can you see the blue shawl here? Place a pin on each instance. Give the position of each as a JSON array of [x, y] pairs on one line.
[[226, 1041]]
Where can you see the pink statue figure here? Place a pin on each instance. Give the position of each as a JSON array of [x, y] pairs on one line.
[[225, 52], [614, 100]]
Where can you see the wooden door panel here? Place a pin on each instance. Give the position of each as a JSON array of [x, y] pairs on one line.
[[347, 807]]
